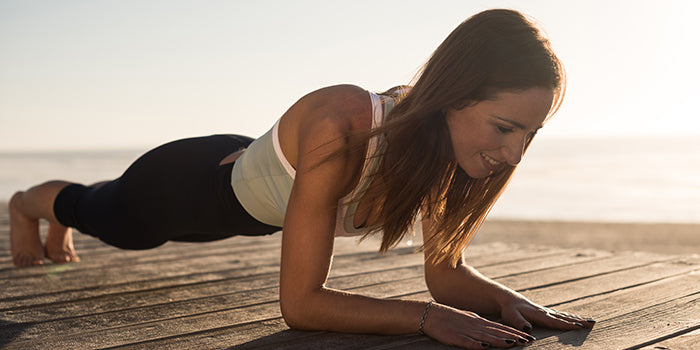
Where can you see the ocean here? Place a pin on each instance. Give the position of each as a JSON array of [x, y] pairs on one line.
[[606, 180], [593, 180]]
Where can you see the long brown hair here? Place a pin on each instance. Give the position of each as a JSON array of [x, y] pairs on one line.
[[493, 51]]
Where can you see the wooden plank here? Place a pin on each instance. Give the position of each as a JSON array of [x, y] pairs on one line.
[[236, 337], [254, 305], [105, 255], [574, 267], [624, 300], [497, 253], [139, 332], [121, 306], [204, 297], [324, 339], [327, 340], [305, 342], [634, 328], [586, 268], [200, 290], [62, 280], [536, 272], [257, 335], [115, 311], [125, 301], [167, 310], [152, 284], [207, 319], [94, 252], [365, 262], [521, 261], [604, 283], [82, 285], [154, 280], [606, 307], [122, 259], [173, 252], [685, 341]]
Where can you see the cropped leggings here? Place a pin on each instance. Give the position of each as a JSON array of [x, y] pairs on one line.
[[176, 192]]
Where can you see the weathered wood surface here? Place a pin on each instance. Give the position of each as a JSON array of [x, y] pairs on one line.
[[224, 295]]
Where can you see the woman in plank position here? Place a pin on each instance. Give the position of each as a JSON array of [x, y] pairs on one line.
[[344, 161]]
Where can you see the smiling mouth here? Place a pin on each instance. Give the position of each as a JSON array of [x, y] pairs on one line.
[[494, 163]]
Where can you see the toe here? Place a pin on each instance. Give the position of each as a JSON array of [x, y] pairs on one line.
[[23, 260]]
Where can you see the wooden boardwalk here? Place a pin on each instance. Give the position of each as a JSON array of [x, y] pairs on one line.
[[224, 295]]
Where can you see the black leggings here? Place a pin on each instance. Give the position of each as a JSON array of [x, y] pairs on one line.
[[176, 192]]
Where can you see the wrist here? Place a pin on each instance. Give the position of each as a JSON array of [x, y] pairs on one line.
[[425, 316]]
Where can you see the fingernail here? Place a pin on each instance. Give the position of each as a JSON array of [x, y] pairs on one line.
[[510, 341], [522, 340], [530, 338], [578, 324], [527, 329], [485, 345], [590, 320]]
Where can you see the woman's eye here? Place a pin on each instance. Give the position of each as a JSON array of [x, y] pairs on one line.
[[505, 130]]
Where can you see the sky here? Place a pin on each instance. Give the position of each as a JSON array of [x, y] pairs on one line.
[[113, 74]]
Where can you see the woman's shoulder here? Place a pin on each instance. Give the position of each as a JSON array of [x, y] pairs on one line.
[[322, 120], [339, 101], [336, 110]]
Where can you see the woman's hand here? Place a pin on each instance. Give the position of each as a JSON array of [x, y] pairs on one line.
[[466, 329], [521, 313]]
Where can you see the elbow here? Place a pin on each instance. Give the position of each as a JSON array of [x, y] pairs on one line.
[[296, 312], [440, 283], [293, 316], [439, 293]]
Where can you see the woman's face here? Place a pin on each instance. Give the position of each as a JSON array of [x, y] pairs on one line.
[[490, 134]]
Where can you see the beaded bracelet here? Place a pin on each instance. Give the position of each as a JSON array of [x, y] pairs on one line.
[[425, 315]]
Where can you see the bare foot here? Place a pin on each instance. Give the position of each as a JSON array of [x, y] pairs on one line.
[[59, 244], [24, 236]]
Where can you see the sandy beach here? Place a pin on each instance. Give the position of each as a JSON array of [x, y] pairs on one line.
[[665, 238]]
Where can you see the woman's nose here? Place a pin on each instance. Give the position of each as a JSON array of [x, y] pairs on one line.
[[513, 151]]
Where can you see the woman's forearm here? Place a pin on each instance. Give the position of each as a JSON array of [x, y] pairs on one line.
[[339, 311]]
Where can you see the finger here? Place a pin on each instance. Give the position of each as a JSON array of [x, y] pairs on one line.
[[500, 335], [507, 332], [496, 334], [518, 321], [503, 341], [559, 321], [576, 319], [581, 319]]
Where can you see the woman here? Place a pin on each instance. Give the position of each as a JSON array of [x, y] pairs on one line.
[[342, 161]]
